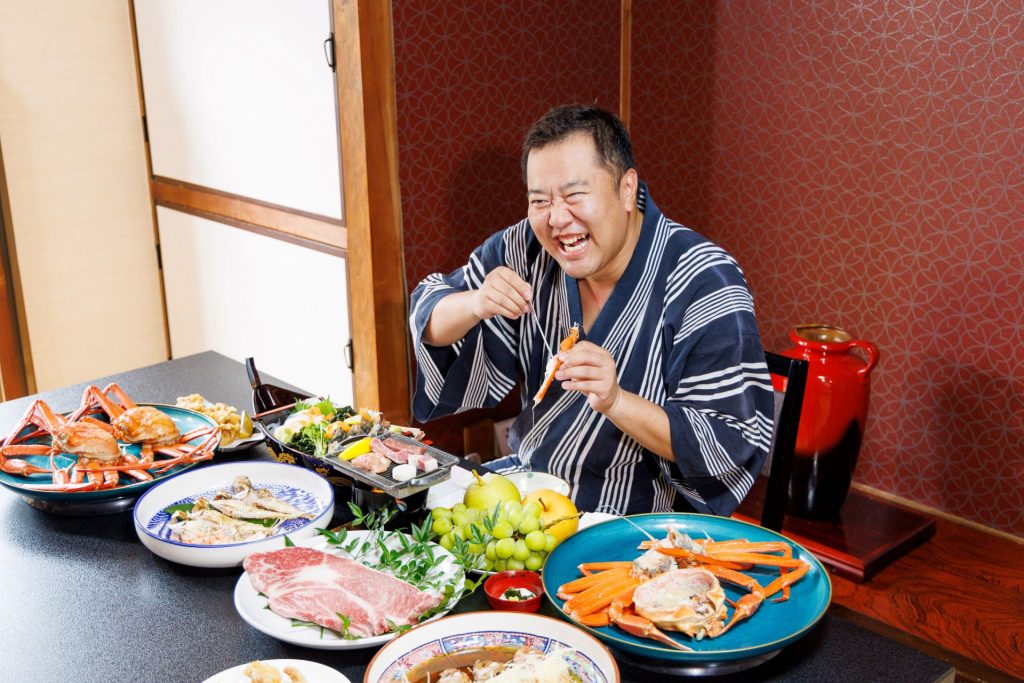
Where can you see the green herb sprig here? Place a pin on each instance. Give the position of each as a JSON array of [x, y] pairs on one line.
[[411, 557], [267, 522]]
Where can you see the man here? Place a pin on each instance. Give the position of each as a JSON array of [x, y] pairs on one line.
[[666, 402]]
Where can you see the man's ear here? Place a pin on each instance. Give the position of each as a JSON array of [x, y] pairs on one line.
[[628, 189]]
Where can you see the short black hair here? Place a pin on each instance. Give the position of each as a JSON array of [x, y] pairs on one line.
[[604, 128]]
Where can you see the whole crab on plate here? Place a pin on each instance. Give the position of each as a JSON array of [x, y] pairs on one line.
[[237, 432], [658, 586], [110, 446]]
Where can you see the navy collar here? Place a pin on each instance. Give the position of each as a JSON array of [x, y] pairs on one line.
[[627, 283]]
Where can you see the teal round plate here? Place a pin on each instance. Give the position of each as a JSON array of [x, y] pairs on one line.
[[774, 625], [186, 420]]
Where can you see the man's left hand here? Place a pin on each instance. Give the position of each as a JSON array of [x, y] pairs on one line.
[[590, 369]]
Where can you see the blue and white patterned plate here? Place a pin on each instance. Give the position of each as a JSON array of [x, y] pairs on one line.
[[302, 488], [587, 658], [303, 499]]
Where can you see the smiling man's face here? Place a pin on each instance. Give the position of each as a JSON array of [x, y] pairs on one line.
[[577, 210]]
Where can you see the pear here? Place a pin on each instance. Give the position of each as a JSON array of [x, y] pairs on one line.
[[558, 515], [489, 490]]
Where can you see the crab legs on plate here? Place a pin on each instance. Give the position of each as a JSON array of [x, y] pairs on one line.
[[99, 456], [150, 427], [676, 586]]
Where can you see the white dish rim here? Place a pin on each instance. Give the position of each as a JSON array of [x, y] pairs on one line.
[[142, 525], [244, 590], [335, 675]]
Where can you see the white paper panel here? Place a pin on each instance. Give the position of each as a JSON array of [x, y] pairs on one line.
[[243, 294], [239, 98], [75, 167]]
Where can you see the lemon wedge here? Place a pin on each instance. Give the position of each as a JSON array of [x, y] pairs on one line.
[[361, 447], [245, 426]]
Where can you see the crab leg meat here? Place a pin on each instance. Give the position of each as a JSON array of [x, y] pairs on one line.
[[633, 623], [554, 363]]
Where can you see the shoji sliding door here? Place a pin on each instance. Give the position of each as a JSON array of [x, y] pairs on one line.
[[242, 121]]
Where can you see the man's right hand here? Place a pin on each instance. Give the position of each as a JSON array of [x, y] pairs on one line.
[[502, 293]]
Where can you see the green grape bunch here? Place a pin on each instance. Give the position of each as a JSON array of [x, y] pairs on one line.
[[508, 536]]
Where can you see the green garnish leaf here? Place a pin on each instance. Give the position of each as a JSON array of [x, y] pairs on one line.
[[409, 557], [333, 537], [326, 408], [268, 522]]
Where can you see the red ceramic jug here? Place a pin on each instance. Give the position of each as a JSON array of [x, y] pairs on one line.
[[832, 419]]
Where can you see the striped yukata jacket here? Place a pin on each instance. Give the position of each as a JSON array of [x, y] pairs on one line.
[[680, 326]]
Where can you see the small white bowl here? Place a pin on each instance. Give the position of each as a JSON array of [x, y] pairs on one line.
[[527, 482], [472, 630], [301, 487]]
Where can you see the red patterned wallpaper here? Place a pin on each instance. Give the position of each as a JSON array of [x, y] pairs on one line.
[[470, 78], [863, 161]]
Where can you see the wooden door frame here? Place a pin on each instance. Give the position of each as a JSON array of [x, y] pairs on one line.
[[365, 73], [16, 378], [369, 236]]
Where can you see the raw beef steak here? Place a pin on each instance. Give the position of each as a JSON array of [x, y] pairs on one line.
[[307, 584]]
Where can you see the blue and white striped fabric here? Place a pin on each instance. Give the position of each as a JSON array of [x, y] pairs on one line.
[[680, 326]]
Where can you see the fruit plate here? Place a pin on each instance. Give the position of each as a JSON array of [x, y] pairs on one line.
[[772, 627], [252, 606], [587, 519]]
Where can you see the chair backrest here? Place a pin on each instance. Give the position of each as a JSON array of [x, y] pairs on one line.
[[789, 377]]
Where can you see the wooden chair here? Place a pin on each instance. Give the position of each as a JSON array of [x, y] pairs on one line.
[[487, 439], [789, 377]]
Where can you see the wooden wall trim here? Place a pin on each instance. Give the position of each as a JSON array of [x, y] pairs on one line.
[[316, 232], [149, 171], [935, 512], [369, 153], [625, 60], [15, 361]]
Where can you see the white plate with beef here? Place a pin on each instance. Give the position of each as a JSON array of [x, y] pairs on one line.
[[332, 595]]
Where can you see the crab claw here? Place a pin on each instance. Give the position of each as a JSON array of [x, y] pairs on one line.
[[19, 467], [745, 608], [633, 623]]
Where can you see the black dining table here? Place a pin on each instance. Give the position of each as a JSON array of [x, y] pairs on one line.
[[83, 600]]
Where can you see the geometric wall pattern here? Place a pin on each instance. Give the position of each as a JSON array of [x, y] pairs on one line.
[[470, 78], [863, 161]]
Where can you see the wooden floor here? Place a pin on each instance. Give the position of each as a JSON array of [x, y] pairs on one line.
[[959, 597]]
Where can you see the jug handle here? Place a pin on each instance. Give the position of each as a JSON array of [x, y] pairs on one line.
[[873, 354]]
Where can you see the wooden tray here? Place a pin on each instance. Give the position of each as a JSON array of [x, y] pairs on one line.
[[870, 533]]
